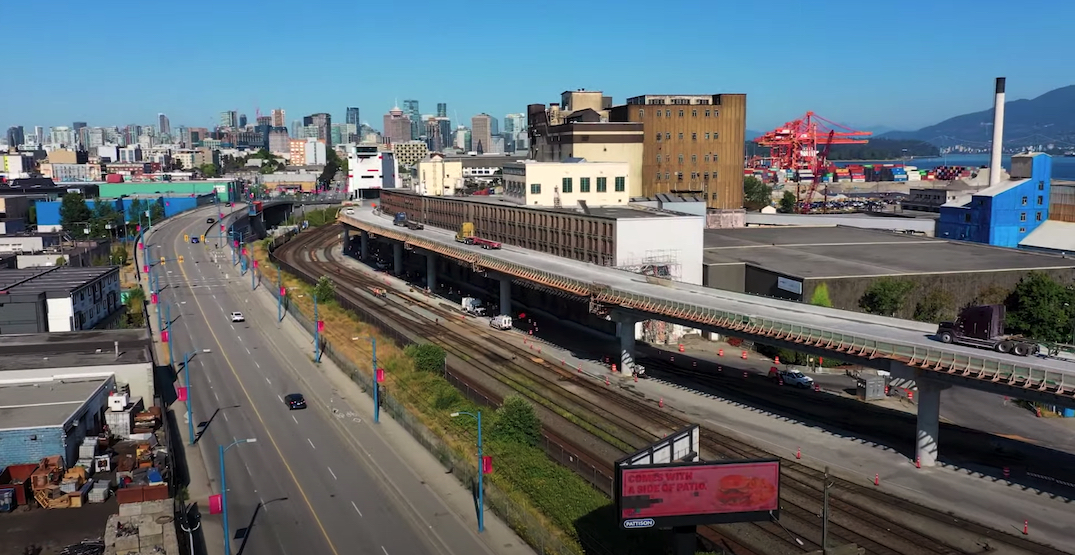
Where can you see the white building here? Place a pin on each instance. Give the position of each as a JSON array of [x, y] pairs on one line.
[[315, 153], [14, 166], [438, 176], [567, 183], [369, 168], [130, 154], [62, 136], [63, 298], [111, 152]]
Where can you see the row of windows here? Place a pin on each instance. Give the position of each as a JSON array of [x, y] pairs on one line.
[[679, 175], [694, 158], [660, 101], [694, 136], [1040, 200], [567, 185], [1022, 217], [668, 113]]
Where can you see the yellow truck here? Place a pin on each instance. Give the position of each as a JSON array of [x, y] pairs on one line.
[[465, 233]]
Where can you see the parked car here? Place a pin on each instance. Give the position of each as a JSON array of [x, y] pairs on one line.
[[295, 401], [237, 317], [210, 220], [791, 377]]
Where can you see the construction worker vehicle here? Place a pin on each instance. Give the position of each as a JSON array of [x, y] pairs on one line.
[[466, 235], [983, 327]]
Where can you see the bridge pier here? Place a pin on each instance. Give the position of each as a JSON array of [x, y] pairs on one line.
[[929, 420], [345, 240], [505, 295], [397, 259], [625, 332], [431, 271], [364, 245]]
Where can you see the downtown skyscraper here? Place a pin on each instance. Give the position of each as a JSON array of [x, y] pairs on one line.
[[353, 117], [410, 108]]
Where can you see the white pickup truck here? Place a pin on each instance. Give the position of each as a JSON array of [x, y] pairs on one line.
[[791, 377], [502, 322]]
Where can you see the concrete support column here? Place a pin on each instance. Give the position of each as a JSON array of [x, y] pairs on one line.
[[929, 416], [505, 295], [364, 245], [431, 271], [397, 258], [625, 332], [345, 240]]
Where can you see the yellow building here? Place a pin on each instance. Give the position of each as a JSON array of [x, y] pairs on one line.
[[438, 176], [566, 183]]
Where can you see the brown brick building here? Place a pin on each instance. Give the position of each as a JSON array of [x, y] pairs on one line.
[[693, 144]]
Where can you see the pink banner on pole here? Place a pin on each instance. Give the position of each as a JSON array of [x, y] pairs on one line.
[[320, 326], [487, 464], [380, 375], [153, 299], [164, 336], [145, 268], [283, 291], [216, 504], [255, 263], [141, 247], [181, 392]]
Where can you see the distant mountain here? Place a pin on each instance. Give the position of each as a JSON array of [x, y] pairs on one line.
[[1026, 123], [877, 129], [751, 135]]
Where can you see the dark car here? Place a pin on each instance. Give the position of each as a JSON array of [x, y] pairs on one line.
[[210, 221], [194, 240], [295, 401]]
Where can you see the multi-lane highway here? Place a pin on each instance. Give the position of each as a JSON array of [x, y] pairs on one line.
[[346, 490]]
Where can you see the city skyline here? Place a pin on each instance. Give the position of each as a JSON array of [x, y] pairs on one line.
[[903, 81]]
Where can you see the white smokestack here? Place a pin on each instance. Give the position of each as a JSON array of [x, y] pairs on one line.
[[998, 134]]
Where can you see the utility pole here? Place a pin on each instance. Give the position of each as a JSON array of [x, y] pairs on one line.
[[825, 513]]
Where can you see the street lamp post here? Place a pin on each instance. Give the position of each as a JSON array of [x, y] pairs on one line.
[[280, 296], [224, 491], [376, 386], [317, 333], [481, 494], [190, 410], [168, 317]]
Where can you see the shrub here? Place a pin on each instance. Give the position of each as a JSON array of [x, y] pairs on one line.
[[325, 290], [427, 357], [517, 422]]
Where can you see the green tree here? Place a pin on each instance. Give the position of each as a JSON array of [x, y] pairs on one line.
[[517, 422], [787, 203], [325, 290], [332, 165], [820, 297], [209, 170], [136, 303], [156, 210], [934, 307], [885, 296], [75, 214], [1041, 308], [105, 220], [756, 195], [60, 261], [990, 294], [177, 164], [427, 357], [119, 256]]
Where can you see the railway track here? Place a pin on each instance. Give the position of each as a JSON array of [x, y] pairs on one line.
[[853, 518]]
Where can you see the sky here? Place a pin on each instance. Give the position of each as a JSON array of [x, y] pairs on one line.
[[902, 65]]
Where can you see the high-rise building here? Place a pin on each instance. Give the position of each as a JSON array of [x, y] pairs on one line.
[[62, 135], [692, 144], [15, 136], [397, 126], [444, 129], [515, 132], [494, 126], [279, 142], [77, 126], [323, 122], [462, 138], [229, 118], [278, 117], [442, 109], [264, 121], [410, 107], [296, 128], [242, 120], [163, 125], [39, 135], [481, 133], [352, 117]]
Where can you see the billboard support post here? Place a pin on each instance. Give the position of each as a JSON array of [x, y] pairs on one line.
[[685, 540]]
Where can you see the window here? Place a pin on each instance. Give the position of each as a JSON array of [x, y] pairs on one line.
[[1022, 230], [707, 136], [1037, 217], [1022, 216], [565, 185], [715, 112], [535, 188], [714, 157], [1039, 200], [694, 113], [694, 175], [641, 113], [680, 158], [668, 136], [705, 175], [681, 113], [681, 136], [707, 113], [716, 136], [1024, 201], [694, 136], [584, 184], [1041, 185], [658, 113], [602, 184], [658, 137], [694, 158], [666, 176], [966, 218], [658, 176], [668, 113], [706, 159], [658, 158], [679, 176]]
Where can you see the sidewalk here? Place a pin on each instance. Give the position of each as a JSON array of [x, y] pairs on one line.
[[200, 487]]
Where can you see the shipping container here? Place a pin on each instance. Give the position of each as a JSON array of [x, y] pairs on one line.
[[113, 178]]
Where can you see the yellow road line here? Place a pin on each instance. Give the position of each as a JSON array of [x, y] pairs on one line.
[[257, 413]]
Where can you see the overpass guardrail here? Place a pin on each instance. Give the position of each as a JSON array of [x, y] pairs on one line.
[[927, 358]]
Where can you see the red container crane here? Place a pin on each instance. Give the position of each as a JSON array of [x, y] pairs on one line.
[[794, 145]]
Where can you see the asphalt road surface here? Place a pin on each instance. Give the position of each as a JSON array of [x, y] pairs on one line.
[[346, 491]]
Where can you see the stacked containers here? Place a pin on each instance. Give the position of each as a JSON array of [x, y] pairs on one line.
[[913, 174], [899, 174]]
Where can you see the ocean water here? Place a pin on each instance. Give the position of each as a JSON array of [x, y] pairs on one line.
[[1063, 166]]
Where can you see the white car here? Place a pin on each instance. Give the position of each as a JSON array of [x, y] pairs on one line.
[[237, 317], [349, 211], [792, 377]]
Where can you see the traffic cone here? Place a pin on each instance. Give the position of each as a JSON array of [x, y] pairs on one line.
[[720, 352], [720, 368], [661, 403], [776, 359], [1007, 473], [1026, 527], [636, 378], [781, 381], [580, 369], [918, 462], [744, 355], [606, 381], [798, 452], [681, 347], [694, 364], [744, 374], [876, 479], [817, 387]]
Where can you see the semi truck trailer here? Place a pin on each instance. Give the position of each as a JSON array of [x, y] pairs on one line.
[[983, 327]]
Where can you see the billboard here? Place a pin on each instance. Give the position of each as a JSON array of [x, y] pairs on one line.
[[687, 494], [665, 486]]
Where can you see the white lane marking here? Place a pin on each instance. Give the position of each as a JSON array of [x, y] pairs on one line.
[[240, 337], [295, 419], [267, 380], [248, 352], [385, 550], [356, 508], [208, 378], [311, 443], [281, 398], [225, 416], [331, 472], [256, 364], [217, 396]]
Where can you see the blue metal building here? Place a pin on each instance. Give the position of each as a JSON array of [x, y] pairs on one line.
[[1004, 214], [48, 212]]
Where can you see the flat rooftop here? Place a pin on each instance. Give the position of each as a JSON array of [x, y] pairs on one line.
[[74, 349], [611, 212], [44, 404], [58, 279], [838, 251]]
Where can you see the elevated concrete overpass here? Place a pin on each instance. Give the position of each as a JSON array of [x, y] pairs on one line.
[[905, 348]]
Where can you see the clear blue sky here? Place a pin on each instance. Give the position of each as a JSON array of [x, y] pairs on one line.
[[899, 64]]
